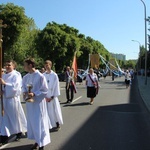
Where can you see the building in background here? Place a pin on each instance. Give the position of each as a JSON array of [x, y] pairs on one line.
[[119, 56]]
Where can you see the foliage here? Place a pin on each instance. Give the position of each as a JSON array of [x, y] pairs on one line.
[[61, 42], [19, 36], [57, 42]]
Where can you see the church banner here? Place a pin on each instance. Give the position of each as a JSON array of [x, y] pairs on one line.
[[95, 62], [112, 64]]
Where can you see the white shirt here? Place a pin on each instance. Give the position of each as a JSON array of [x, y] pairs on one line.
[[94, 78]]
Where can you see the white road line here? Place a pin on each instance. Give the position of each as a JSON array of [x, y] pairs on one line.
[[2, 147], [76, 99]]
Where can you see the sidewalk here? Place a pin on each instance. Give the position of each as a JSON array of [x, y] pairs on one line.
[[144, 90]]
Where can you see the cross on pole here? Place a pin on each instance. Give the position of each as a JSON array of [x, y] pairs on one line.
[[1, 36]]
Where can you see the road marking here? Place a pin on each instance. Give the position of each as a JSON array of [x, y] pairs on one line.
[[76, 99]]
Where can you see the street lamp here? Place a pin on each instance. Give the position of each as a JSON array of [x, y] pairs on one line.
[[139, 67], [145, 42]]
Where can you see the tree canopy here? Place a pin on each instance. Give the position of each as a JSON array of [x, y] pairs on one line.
[[57, 42]]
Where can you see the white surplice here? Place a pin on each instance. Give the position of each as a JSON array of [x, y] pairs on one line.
[[13, 121], [53, 107], [37, 116]]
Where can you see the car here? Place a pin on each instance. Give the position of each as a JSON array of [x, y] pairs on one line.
[[61, 76]]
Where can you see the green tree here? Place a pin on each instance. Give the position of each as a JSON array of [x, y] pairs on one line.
[[19, 36]]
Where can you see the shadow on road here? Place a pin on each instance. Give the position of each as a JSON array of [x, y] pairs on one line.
[[22, 147], [77, 104], [114, 127]]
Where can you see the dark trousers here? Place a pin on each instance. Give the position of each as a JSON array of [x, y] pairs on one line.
[[69, 93]]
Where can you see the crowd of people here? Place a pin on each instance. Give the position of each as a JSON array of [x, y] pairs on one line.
[[40, 90], [43, 112]]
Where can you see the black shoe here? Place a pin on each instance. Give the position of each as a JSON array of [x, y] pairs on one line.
[[57, 126], [4, 140], [35, 146], [18, 136], [67, 101], [41, 148]]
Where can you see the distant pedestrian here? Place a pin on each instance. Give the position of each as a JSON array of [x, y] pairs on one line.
[[70, 85], [113, 75], [38, 123], [42, 70], [132, 74], [92, 85], [53, 105], [127, 78]]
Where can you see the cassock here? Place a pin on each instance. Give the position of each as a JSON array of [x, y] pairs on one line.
[[53, 107], [37, 117], [13, 121]]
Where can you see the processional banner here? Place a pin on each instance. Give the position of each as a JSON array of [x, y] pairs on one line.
[[112, 64], [95, 62]]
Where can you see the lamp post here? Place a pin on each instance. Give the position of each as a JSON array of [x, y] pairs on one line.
[[145, 42], [139, 67]]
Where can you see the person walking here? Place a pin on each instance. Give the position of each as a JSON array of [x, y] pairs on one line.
[[13, 121], [92, 85], [35, 87], [70, 86], [127, 78], [53, 105]]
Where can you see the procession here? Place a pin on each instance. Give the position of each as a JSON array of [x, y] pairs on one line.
[[40, 91], [69, 80]]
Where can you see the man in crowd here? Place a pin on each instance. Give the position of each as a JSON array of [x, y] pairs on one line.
[[70, 87]]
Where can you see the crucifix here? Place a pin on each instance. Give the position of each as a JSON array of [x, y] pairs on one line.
[[1, 36]]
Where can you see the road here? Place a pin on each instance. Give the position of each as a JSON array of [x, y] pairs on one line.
[[118, 120]]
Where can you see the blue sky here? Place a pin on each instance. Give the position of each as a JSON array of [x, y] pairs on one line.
[[114, 23]]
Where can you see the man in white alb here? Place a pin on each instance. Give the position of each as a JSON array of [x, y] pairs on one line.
[[53, 105], [37, 117], [13, 121]]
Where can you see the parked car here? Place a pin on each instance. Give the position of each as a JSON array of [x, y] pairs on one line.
[[61, 76]]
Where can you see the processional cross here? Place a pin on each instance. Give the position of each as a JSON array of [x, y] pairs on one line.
[[1, 36]]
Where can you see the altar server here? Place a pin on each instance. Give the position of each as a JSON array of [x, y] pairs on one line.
[[13, 121], [37, 116], [53, 105]]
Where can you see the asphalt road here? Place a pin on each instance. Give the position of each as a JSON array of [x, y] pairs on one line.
[[118, 120]]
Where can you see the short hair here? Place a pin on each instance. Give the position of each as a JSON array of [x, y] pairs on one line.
[[11, 61], [30, 61], [48, 62]]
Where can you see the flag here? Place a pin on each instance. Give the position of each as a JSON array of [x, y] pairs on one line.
[[112, 64], [95, 62], [74, 66]]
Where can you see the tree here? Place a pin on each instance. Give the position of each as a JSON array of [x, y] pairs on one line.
[[19, 34]]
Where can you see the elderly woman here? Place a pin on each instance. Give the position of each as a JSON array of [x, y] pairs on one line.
[[92, 85]]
